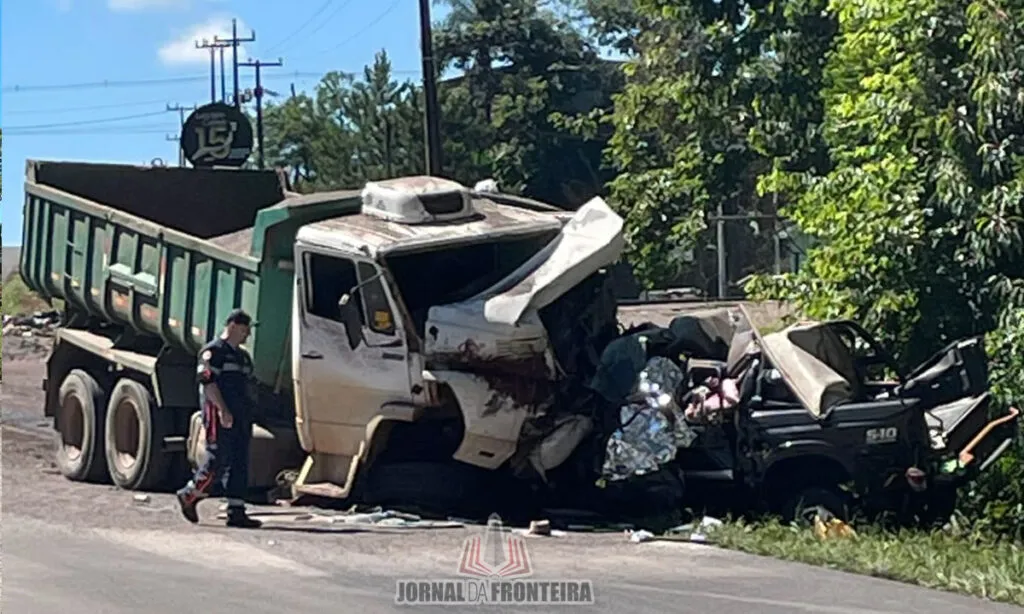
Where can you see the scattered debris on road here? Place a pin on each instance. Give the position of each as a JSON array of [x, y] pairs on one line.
[[39, 324]]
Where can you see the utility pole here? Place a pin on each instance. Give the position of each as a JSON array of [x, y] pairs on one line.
[[723, 271], [233, 42], [256, 64], [432, 121], [223, 79], [176, 138], [213, 47], [181, 115]]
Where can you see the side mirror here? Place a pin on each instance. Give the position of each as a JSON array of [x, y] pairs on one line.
[[349, 312]]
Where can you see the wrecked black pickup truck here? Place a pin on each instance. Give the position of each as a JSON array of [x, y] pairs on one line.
[[799, 422]]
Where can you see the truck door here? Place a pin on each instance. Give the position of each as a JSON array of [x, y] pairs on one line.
[[340, 387]]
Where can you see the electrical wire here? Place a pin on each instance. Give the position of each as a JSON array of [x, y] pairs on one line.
[[365, 28], [98, 130], [17, 89], [86, 121], [302, 27], [329, 17], [10, 89], [95, 107], [361, 31]]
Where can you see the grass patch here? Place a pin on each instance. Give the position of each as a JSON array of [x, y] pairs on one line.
[[18, 299], [968, 564]]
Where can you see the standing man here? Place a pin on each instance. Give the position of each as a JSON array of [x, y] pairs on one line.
[[224, 371]]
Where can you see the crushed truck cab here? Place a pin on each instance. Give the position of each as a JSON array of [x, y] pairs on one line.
[[425, 308]]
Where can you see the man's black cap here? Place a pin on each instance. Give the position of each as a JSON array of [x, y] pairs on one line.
[[240, 317]]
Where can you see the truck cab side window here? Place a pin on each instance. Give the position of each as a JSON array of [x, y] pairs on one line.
[[327, 279], [375, 300]]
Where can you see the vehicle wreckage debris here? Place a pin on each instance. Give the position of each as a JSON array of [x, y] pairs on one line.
[[387, 519], [39, 324]]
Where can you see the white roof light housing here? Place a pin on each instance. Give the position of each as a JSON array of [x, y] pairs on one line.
[[417, 200]]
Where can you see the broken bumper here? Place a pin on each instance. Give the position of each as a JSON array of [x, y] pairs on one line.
[[991, 441]]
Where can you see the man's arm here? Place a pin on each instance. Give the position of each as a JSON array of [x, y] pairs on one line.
[[209, 368]]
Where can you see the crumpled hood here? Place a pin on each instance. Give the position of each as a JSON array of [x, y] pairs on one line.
[[502, 322]]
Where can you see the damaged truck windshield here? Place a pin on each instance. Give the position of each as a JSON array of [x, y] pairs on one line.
[[422, 343], [452, 273]]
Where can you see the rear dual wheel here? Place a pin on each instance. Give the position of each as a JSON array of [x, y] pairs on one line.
[[120, 439], [80, 416], [134, 437]]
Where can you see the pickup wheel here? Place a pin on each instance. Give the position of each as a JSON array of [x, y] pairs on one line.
[[804, 505], [79, 424], [134, 438]]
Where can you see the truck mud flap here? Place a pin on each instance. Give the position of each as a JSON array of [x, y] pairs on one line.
[[991, 441]]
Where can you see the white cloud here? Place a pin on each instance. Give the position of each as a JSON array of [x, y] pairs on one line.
[[142, 5], [182, 50]]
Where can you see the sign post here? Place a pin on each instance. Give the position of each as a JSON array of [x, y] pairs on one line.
[[217, 134]]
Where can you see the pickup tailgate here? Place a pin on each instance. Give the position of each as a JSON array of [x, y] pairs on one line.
[[964, 427]]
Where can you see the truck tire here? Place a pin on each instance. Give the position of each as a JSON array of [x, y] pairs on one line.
[[79, 441], [828, 503], [441, 488], [134, 436]]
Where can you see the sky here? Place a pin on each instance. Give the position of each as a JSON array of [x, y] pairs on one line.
[[90, 80]]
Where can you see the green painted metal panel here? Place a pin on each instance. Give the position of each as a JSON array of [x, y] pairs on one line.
[[163, 282]]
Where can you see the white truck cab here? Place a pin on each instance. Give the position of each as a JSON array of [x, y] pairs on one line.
[[417, 307]]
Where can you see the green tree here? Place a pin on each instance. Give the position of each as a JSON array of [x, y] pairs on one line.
[[917, 225], [716, 95], [521, 66], [349, 130]]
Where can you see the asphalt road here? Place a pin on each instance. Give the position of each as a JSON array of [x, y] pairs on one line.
[[50, 568], [70, 547]]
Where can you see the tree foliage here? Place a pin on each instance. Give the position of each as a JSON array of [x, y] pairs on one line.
[[716, 94], [349, 130]]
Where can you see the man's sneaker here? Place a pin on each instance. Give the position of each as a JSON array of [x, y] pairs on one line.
[[240, 520], [188, 506]]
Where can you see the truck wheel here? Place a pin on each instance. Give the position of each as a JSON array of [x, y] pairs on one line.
[[79, 421], [134, 438], [828, 503], [445, 488]]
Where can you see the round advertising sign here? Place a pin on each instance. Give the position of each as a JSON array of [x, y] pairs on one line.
[[216, 134]]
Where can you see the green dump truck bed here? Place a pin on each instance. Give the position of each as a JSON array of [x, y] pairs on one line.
[[166, 253]]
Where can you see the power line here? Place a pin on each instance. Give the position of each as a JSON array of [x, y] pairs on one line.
[[327, 20], [14, 89], [302, 27], [86, 121], [365, 28], [129, 129], [101, 84], [95, 107]]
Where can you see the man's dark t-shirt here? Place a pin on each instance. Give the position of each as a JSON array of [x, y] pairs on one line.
[[230, 369]]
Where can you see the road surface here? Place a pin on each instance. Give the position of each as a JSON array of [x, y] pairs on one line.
[[94, 549]]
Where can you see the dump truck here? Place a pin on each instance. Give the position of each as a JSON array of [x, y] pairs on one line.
[[397, 324]]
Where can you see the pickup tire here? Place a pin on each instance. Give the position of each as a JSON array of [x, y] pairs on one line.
[[828, 503], [134, 434], [441, 488], [79, 422]]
